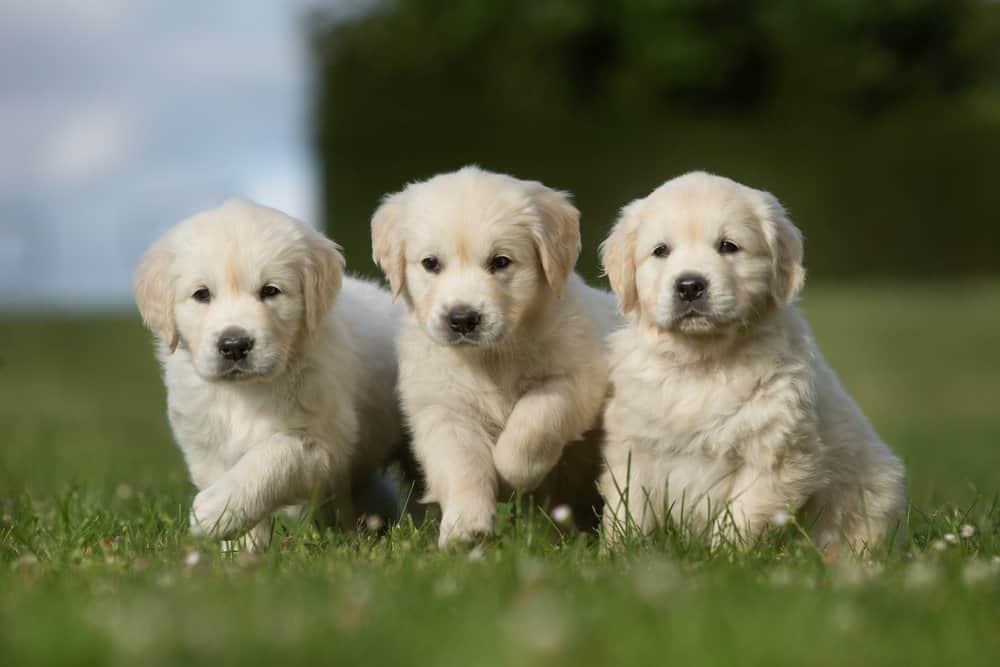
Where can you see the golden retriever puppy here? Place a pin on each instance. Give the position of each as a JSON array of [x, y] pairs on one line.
[[280, 372], [722, 407], [502, 371]]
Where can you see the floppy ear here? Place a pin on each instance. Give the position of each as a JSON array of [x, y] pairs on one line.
[[618, 257], [558, 235], [785, 242], [387, 242], [322, 275], [153, 288]]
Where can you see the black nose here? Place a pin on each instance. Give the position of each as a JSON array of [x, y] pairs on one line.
[[690, 287], [235, 344], [463, 320]]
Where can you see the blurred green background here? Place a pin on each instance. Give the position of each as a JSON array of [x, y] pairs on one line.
[[876, 123]]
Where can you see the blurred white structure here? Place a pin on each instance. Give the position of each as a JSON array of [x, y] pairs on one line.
[[119, 118]]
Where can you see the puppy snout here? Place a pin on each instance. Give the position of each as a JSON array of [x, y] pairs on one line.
[[235, 344], [463, 319], [690, 287]]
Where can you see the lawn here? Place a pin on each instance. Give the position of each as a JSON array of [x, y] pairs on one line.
[[96, 566]]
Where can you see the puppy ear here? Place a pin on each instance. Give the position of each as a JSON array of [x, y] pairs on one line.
[[785, 242], [153, 288], [322, 276], [618, 257], [387, 242], [558, 234]]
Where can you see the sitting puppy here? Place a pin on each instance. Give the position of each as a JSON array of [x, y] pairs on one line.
[[722, 407], [501, 360], [280, 372]]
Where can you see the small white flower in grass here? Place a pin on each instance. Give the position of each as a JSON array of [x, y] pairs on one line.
[[939, 545], [539, 626], [123, 491], [977, 572], [967, 531], [192, 558], [374, 523], [781, 518], [951, 538], [655, 578], [477, 553], [25, 563], [920, 575], [445, 587], [562, 514]]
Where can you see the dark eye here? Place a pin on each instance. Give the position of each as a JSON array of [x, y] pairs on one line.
[[727, 247], [431, 264], [269, 292], [661, 250], [499, 263], [202, 295]]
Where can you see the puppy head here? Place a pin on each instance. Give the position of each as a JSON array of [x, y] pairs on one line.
[[238, 286], [475, 253], [702, 254]]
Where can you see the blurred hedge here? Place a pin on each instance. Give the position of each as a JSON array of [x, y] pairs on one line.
[[878, 124]]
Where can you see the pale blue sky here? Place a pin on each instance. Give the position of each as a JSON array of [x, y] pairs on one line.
[[120, 117]]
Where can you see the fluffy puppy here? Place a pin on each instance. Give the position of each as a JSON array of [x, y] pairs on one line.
[[722, 406], [280, 372], [501, 361]]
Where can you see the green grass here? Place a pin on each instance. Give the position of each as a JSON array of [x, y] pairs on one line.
[[96, 566]]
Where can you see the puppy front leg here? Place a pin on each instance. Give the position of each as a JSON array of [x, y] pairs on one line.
[[764, 496], [280, 471], [454, 453], [633, 503], [543, 420]]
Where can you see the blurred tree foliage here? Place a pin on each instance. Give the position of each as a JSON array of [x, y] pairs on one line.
[[877, 123]]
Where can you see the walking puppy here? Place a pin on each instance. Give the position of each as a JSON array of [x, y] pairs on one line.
[[280, 372], [722, 405], [501, 363]]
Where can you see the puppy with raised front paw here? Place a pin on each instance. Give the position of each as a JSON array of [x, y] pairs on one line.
[[722, 407], [502, 371], [280, 372]]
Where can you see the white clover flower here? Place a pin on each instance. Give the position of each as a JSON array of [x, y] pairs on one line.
[[977, 572], [655, 578], [967, 531], [951, 538], [445, 587], [939, 545], [374, 523], [920, 575], [477, 553], [192, 558], [25, 563], [123, 491], [562, 514], [781, 518]]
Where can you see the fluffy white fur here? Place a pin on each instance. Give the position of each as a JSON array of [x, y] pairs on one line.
[[723, 407], [310, 411], [493, 410]]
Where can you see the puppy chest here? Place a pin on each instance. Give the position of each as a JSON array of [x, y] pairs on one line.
[[697, 414], [220, 429]]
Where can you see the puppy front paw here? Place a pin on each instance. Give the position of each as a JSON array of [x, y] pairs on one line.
[[216, 512], [465, 525], [520, 472]]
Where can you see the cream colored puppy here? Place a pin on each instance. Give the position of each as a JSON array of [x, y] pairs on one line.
[[722, 405], [280, 372], [501, 363]]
